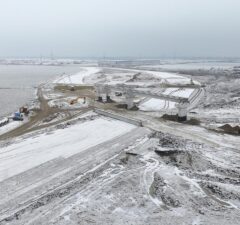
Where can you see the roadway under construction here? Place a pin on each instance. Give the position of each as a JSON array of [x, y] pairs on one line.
[[105, 92]]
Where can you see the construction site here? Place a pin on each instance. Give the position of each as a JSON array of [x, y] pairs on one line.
[[120, 144]]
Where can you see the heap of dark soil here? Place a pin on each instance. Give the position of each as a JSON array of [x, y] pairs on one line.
[[124, 106], [134, 108], [231, 130], [174, 118], [192, 121], [170, 117], [121, 106]]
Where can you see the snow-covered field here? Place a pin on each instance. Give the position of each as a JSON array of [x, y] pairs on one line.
[[165, 105], [157, 105], [101, 184], [77, 78], [91, 75], [10, 126], [180, 92], [171, 78], [32, 152], [64, 103], [84, 168], [193, 65]]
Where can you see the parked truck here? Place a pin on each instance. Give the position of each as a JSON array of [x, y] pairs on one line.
[[18, 116]]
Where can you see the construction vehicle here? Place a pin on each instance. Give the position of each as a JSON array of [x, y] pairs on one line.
[[18, 116], [24, 110]]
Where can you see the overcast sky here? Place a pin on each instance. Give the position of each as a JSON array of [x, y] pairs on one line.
[[120, 28]]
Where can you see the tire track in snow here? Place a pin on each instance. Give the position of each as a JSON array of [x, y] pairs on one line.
[[147, 178]]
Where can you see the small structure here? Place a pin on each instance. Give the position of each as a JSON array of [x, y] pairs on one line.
[[191, 81], [182, 111], [103, 93], [130, 100]]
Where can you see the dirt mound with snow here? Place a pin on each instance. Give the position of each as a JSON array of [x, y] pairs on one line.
[[230, 129]]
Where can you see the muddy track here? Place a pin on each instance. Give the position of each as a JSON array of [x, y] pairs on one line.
[[44, 111]]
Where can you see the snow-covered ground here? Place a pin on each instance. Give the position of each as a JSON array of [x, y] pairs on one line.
[[165, 77], [32, 152], [10, 126], [65, 103], [157, 105], [90, 74], [179, 92], [193, 65], [185, 182], [77, 78], [92, 169], [171, 78]]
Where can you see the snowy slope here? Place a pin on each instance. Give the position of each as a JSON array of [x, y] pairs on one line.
[[32, 152], [10, 126], [170, 78], [179, 92], [154, 104], [78, 77]]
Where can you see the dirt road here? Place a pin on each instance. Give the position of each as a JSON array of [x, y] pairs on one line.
[[44, 112]]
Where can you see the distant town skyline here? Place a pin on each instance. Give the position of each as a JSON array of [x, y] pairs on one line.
[[121, 28]]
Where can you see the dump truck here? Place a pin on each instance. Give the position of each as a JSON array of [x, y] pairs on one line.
[[18, 116]]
